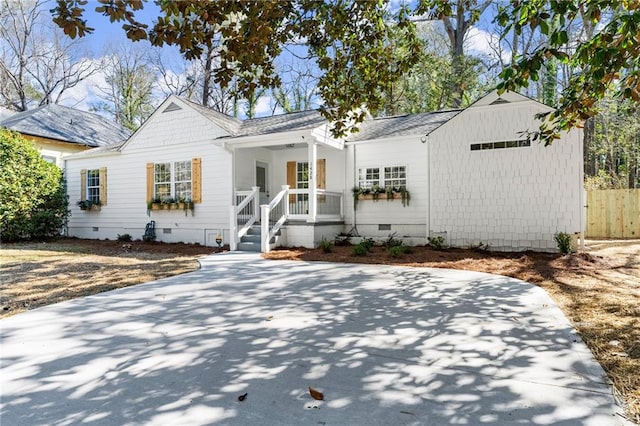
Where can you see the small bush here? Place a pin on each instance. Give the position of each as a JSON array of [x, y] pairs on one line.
[[436, 242], [563, 240], [125, 238], [392, 241], [325, 245], [359, 250], [367, 243], [395, 251]]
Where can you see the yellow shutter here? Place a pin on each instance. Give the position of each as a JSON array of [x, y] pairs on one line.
[[196, 179], [149, 181], [321, 174], [103, 186], [321, 177], [291, 178], [83, 184]]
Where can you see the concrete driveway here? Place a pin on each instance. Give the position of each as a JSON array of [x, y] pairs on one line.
[[386, 346]]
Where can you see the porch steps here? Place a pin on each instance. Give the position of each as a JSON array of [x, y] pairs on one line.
[[252, 241]]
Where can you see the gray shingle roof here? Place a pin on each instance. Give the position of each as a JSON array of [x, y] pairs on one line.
[[68, 125], [376, 128], [281, 123], [229, 124], [5, 113], [411, 124]]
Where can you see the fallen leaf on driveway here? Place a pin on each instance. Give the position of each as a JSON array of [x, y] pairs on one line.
[[242, 397], [315, 394]]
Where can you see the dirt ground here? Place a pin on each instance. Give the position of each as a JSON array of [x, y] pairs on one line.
[[598, 289]]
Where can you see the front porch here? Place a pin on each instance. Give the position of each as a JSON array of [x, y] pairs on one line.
[[297, 184], [292, 218]]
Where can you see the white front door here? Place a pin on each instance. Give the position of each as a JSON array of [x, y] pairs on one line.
[[262, 180]]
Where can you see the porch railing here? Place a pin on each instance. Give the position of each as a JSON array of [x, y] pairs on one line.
[[329, 204], [273, 216], [244, 214]]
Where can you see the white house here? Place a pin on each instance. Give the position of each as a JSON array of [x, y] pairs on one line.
[[472, 176]]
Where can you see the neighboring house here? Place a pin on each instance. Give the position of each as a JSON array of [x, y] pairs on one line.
[[58, 130], [5, 113], [472, 176]]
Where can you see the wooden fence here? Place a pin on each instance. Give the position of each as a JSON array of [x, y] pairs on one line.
[[613, 213]]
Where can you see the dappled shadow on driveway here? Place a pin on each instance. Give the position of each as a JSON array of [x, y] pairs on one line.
[[386, 345]]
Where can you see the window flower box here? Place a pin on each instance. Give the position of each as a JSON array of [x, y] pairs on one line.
[[377, 193], [171, 204], [88, 205]]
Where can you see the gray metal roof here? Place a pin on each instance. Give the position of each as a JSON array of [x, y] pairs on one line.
[[67, 125], [402, 125]]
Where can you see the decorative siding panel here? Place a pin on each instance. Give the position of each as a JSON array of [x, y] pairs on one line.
[[511, 198]]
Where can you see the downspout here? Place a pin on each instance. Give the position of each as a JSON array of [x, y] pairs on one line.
[[425, 140], [581, 191]]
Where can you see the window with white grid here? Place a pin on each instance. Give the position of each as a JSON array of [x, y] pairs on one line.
[[173, 180], [162, 180], [368, 177], [395, 177], [182, 180], [302, 179], [93, 185]]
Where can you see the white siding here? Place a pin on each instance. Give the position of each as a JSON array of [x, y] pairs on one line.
[[175, 136], [511, 198], [246, 167], [407, 221]]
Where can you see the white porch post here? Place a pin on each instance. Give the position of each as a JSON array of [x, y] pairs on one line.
[[256, 203], [313, 178], [233, 228]]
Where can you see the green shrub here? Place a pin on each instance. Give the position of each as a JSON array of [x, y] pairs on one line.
[[127, 238], [367, 243], [359, 250], [395, 251], [325, 245], [436, 242], [34, 198], [563, 240]]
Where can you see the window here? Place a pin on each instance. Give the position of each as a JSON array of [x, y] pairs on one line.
[[93, 186], [395, 177], [176, 181], [369, 177], [302, 179], [172, 180], [500, 145], [390, 176]]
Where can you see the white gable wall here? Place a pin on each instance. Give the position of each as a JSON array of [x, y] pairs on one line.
[[166, 137], [510, 198]]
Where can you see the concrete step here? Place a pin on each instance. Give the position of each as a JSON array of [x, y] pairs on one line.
[[249, 246]]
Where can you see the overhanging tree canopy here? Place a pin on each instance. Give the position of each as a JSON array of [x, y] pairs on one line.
[[347, 38], [350, 40], [610, 60]]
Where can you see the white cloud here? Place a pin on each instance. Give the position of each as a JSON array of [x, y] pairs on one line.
[[484, 43], [86, 92]]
